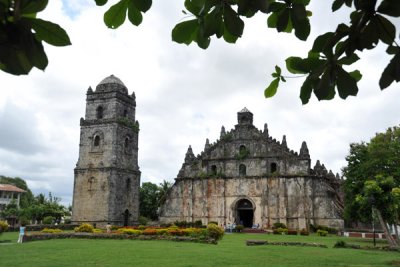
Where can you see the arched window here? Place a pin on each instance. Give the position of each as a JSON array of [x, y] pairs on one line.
[[126, 143], [125, 113], [242, 149], [242, 170], [274, 167], [96, 141], [213, 170], [99, 112], [128, 183]]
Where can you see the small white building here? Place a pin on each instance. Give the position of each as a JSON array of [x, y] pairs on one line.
[[9, 192]]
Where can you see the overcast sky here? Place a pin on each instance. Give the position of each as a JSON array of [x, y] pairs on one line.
[[184, 94]]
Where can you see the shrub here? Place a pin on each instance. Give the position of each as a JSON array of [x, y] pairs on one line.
[[142, 227], [322, 233], [292, 232], [239, 228], [48, 220], [165, 225], [280, 231], [149, 231], [84, 228], [162, 231], [340, 244], [98, 231], [215, 232], [23, 221], [278, 225], [3, 226], [51, 231], [143, 220], [67, 221], [198, 223], [129, 231], [212, 222], [304, 232]]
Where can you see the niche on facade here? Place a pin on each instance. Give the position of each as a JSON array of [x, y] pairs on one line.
[[273, 167], [213, 170], [242, 170], [91, 184], [99, 112], [243, 152]]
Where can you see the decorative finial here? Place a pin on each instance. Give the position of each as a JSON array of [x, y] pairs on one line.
[[89, 90], [284, 141], [304, 150], [189, 157], [207, 145], [222, 132], [266, 130]]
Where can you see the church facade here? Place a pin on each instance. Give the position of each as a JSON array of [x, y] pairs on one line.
[[247, 177], [107, 176]]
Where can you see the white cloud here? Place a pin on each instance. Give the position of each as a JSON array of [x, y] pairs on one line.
[[184, 94]]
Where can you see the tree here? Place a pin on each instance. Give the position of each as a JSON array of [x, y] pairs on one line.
[[151, 197], [325, 66], [148, 200], [372, 182]]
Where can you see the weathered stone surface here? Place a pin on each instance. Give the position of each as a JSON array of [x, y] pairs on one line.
[[249, 178], [107, 176]]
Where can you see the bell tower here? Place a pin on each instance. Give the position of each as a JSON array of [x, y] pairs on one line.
[[107, 176]]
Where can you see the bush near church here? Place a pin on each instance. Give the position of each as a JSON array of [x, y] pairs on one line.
[[3, 226]]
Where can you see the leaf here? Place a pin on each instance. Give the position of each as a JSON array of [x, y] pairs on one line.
[[306, 90], [348, 60], [390, 7], [272, 20], [387, 31], [101, 2], [142, 5], [300, 22], [134, 14], [49, 32], [194, 6], [33, 6], [391, 72], [228, 37], [283, 20], [36, 55], [262, 5], [201, 40], [233, 23], [297, 65], [321, 42], [184, 32], [324, 87], [356, 74], [115, 16], [213, 23], [278, 70], [337, 4], [271, 90], [346, 84]]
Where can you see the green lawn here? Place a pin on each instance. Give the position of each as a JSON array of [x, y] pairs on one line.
[[231, 251]]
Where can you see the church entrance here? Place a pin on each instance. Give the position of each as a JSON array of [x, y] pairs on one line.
[[245, 213]]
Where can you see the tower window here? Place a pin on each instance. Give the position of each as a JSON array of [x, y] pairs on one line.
[[125, 113], [242, 170], [99, 112], [96, 141], [274, 167], [242, 149], [128, 183]]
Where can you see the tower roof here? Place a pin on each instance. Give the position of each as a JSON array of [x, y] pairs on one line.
[[244, 110], [111, 83]]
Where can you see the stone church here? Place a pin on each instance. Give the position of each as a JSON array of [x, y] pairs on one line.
[[247, 177], [107, 176]]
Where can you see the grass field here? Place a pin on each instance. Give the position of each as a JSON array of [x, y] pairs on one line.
[[231, 251]]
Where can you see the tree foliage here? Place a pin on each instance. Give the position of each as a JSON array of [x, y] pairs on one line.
[[151, 197], [22, 34], [325, 68], [373, 179]]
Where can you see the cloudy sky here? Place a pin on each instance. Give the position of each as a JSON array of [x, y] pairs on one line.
[[184, 94]]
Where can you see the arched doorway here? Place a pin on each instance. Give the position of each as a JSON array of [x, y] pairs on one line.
[[126, 217], [245, 212]]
